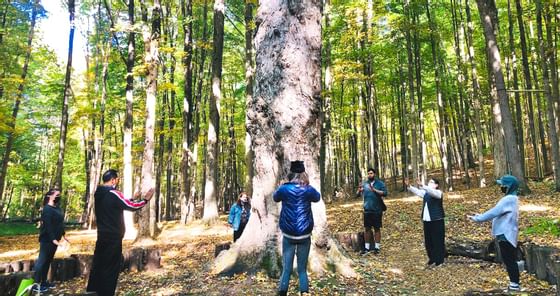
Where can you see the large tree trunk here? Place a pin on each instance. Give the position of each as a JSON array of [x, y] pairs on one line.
[[66, 95], [128, 169], [211, 185], [19, 96], [513, 156], [147, 221], [284, 126]]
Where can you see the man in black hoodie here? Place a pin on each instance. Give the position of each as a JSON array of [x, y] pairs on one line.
[[107, 257]]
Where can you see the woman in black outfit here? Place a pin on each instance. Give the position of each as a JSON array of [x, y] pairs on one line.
[[50, 237]]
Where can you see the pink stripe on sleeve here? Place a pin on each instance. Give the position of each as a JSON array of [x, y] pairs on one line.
[[129, 203]]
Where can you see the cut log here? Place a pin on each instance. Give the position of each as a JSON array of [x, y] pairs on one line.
[[10, 282], [63, 269], [83, 264], [351, 241], [27, 265], [134, 260], [484, 250], [152, 259]]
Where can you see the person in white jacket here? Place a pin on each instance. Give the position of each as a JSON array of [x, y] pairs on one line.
[[505, 216], [433, 219]]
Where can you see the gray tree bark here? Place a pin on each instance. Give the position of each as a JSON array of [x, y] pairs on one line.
[[284, 125]]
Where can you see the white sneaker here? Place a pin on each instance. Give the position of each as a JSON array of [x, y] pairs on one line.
[[513, 287]]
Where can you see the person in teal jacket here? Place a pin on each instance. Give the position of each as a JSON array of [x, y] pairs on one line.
[[239, 215]]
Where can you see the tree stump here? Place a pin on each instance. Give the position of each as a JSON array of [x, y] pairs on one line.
[[5, 268], [63, 269], [485, 250], [15, 266], [134, 260], [152, 259], [83, 264], [351, 241], [27, 265]]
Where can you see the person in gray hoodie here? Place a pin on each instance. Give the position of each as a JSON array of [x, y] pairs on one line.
[[505, 216]]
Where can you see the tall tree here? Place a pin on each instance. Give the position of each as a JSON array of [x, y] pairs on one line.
[[211, 185], [151, 36], [249, 81], [19, 96], [284, 125], [504, 117], [66, 96]]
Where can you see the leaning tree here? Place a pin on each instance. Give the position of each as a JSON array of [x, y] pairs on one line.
[[283, 122]]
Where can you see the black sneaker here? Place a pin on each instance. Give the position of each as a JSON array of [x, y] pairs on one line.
[[376, 250], [365, 251], [50, 285], [39, 288]]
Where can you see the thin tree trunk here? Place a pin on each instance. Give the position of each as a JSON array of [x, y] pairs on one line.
[[19, 97], [552, 131], [249, 81], [210, 214]]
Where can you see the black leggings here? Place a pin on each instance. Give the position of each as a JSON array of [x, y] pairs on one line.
[[509, 257], [46, 254]]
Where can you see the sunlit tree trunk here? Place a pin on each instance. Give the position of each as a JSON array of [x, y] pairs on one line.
[[66, 96], [513, 158], [211, 185], [284, 125], [19, 96], [249, 81], [147, 221]]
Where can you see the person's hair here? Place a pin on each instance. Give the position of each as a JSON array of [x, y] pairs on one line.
[[48, 196], [110, 175], [372, 170], [239, 197], [300, 178], [436, 181]]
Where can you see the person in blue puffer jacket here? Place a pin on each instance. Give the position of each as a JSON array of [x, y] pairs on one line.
[[296, 223], [239, 215]]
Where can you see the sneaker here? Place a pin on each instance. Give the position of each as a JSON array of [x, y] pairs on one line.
[[514, 287], [50, 285], [39, 289], [376, 250], [365, 251]]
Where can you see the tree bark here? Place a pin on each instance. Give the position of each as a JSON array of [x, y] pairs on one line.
[[284, 126], [552, 131], [249, 82], [19, 96], [66, 97], [210, 214], [504, 117], [128, 168], [147, 221]]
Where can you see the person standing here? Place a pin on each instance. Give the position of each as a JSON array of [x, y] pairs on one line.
[[239, 215], [505, 216], [373, 191], [107, 257], [50, 237], [296, 223], [433, 218]]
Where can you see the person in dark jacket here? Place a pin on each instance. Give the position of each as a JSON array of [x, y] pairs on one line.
[[373, 191], [50, 237], [296, 223], [433, 218], [107, 257], [239, 215]]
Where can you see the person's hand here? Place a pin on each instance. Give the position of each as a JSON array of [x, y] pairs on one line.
[[360, 190], [419, 183], [406, 182], [149, 194], [66, 239], [56, 242], [471, 217]]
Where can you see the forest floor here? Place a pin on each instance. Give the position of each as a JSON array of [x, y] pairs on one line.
[[398, 270]]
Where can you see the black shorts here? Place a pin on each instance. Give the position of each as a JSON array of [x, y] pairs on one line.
[[373, 220]]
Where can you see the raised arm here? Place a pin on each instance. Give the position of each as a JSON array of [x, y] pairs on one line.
[[435, 193], [416, 191], [127, 204]]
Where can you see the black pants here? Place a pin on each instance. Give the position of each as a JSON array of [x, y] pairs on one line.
[[434, 240], [46, 254], [237, 233], [106, 266], [508, 252]]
